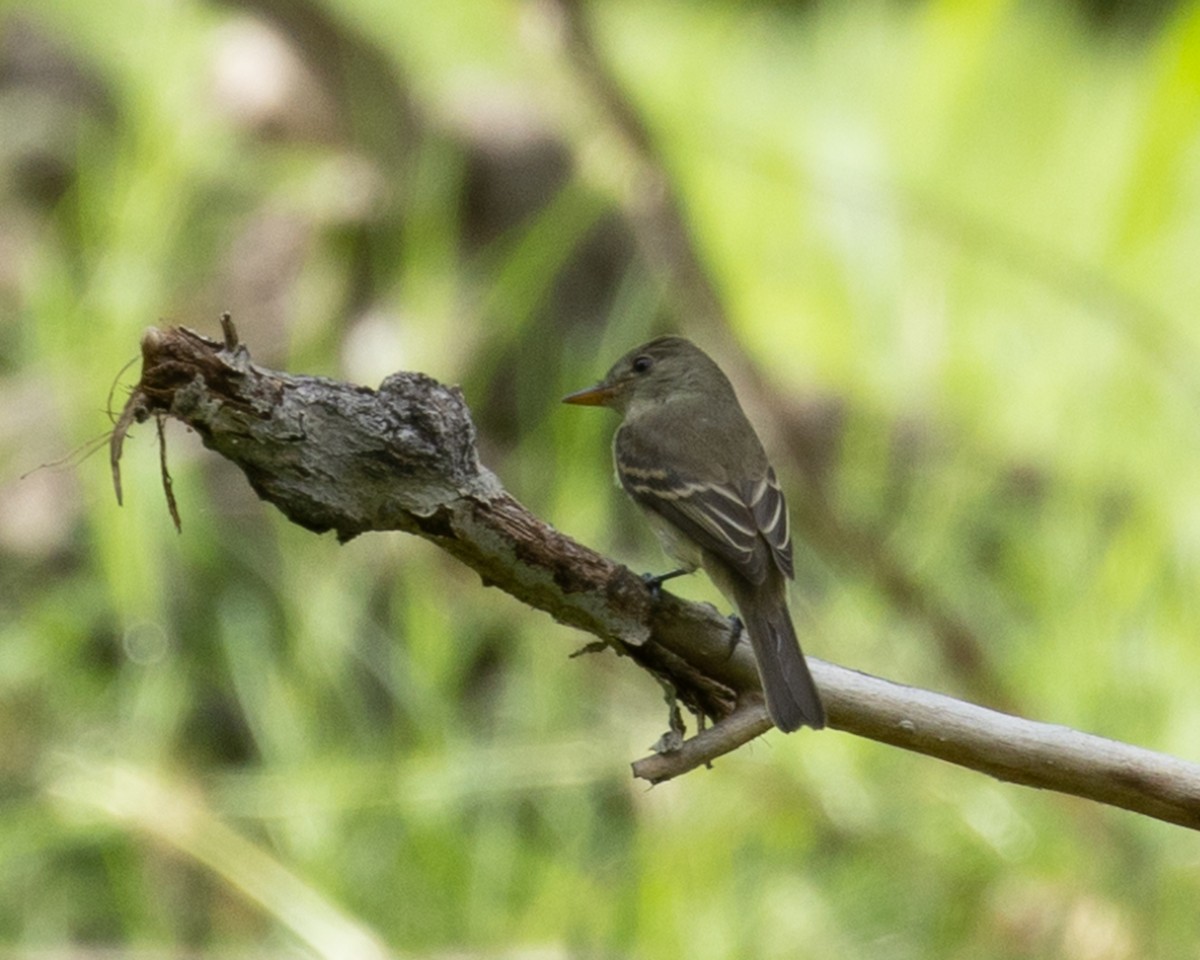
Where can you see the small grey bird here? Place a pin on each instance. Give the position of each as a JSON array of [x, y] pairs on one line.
[[688, 456]]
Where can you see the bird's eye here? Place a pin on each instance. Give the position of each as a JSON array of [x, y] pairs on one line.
[[642, 364]]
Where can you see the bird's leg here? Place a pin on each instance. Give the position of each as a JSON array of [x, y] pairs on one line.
[[736, 629], [654, 582]]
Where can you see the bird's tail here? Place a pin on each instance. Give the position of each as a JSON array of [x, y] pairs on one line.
[[792, 698]]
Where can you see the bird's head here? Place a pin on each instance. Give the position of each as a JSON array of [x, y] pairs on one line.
[[668, 368]]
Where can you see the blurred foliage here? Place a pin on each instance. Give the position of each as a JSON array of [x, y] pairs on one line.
[[960, 239]]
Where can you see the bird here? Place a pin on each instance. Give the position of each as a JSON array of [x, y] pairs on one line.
[[687, 455]]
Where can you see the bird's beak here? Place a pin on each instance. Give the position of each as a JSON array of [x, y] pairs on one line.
[[598, 396]]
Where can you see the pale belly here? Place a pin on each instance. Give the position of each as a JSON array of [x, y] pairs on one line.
[[678, 547]]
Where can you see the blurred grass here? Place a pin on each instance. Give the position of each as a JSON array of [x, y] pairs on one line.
[[971, 228]]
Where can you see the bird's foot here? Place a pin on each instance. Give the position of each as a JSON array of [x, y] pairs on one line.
[[654, 582]]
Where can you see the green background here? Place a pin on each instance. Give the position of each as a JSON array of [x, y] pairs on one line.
[[959, 238]]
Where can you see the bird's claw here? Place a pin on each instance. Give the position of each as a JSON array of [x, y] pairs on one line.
[[654, 581]]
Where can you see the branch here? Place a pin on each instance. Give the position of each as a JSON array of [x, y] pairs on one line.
[[333, 456]]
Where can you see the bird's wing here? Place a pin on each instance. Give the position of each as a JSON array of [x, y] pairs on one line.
[[716, 516], [770, 511]]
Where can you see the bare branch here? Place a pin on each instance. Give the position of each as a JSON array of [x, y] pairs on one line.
[[333, 456], [1009, 748]]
